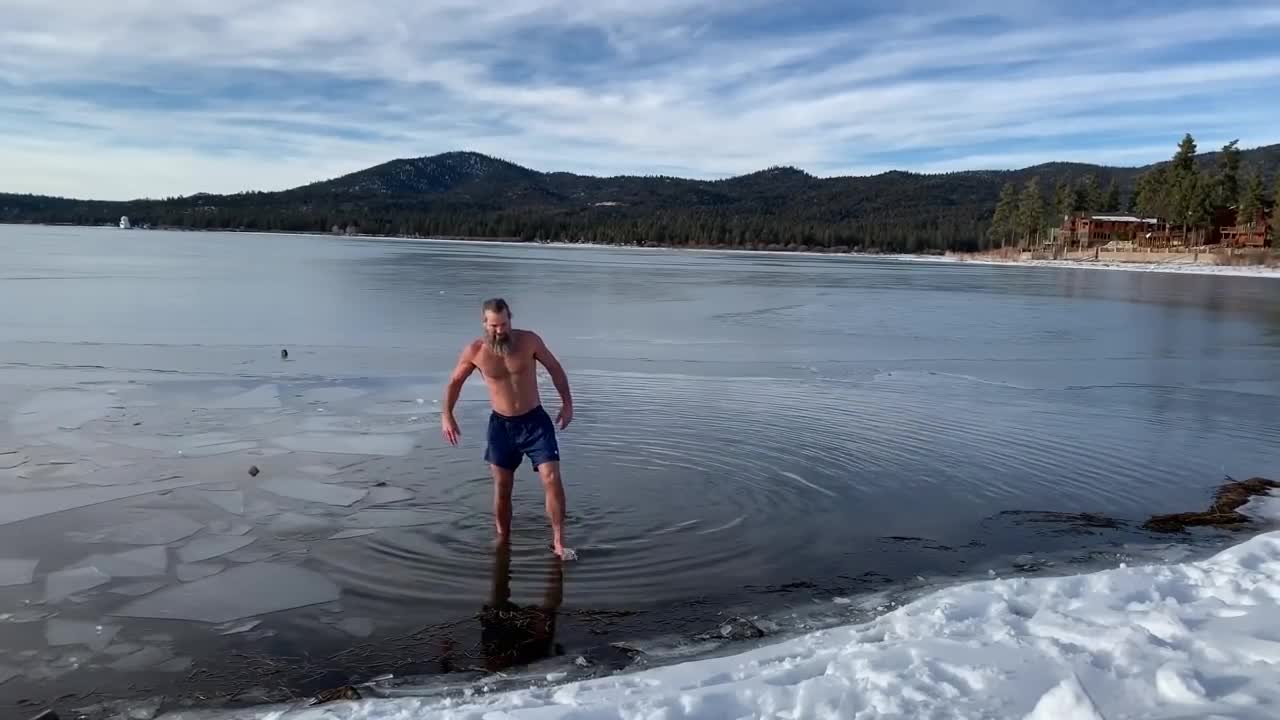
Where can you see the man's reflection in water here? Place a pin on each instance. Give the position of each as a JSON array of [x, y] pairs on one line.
[[513, 635]]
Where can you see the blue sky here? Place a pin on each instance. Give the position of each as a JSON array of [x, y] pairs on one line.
[[149, 98]]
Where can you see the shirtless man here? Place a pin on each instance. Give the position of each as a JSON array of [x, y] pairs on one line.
[[519, 425]]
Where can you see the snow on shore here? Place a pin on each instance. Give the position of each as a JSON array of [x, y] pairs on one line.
[[1193, 640], [1164, 267]]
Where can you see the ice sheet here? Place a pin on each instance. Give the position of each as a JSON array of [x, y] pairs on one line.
[[332, 394], [388, 494], [349, 443], [145, 658], [348, 534], [173, 442], [298, 525], [17, 571], [55, 410], [62, 584], [392, 518], [164, 528], [143, 562], [241, 592], [357, 627], [17, 507], [138, 589], [263, 397], [11, 459], [195, 571], [313, 491], [223, 527], [212, 546], [96, 636], [230, 500]]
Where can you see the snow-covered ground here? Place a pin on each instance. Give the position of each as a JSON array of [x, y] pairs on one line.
[[1193, 640], [1164, 267]]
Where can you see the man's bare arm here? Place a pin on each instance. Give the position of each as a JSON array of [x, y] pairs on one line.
[[543, 354], [452, 390]]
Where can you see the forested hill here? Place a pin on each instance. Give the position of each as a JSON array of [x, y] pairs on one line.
[[468, 194]]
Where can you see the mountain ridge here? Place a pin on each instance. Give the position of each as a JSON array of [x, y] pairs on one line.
[[466, 193]]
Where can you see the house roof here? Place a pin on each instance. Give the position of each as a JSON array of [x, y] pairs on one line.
[[1125, 218]]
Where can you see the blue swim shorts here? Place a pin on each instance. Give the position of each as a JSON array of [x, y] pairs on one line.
[[511, 438]]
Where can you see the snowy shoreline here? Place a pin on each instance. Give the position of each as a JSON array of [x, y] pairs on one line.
[[1196, 639]]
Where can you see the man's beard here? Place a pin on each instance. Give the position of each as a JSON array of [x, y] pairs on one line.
[[499, 344]]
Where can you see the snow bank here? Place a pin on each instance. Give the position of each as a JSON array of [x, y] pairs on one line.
[[1200, 639], [1161, 267]]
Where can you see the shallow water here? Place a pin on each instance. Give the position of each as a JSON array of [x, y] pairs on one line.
[[754, 434]]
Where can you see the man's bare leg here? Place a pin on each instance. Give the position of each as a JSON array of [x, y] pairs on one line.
[[554, 490], [503, 480]]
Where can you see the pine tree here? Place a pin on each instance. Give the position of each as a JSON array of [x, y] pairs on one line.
[[1275, 209], [1228, 184], [1064, 199], [1252, 200], [1004, 222], [1030, 210], [1088, 196], [1184, 161], [1111, 201]]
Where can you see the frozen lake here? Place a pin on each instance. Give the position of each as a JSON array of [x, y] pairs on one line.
[[755, 435]]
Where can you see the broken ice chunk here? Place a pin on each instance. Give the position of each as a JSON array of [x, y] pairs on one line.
[[27, 505], [391, 518], [160, 530], [138, 589], [143, 562], [195, 571], [13, 459], [241, 592], [222, 527], [323, 470], [349, 443], [212, 546], [143, 659], [62, 584], [332, 394], [348, 534], [259, 398], [122, 649], [359, 627], [176, 665], [313, 491], [230, 500], [252, 556], [298, 525], [388, 494], [78, 632], [56, 410], [237, 628], [16, 571]]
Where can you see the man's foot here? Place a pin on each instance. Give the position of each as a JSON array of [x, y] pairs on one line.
[[564, 553]]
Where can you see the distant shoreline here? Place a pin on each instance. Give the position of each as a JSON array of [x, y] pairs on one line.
[[1186, 268]]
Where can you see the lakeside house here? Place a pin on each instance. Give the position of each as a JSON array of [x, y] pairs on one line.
[[1087, 231]]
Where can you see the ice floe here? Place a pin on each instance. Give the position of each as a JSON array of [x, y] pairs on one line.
[[240, 592]]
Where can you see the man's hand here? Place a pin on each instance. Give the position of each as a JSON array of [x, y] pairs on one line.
[[565, 416], [449, 428]]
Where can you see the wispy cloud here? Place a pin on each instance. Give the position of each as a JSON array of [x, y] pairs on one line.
[[149, 98]]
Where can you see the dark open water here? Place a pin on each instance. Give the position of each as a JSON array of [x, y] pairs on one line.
[[774, 437]]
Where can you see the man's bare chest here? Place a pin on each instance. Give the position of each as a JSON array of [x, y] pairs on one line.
[[505, 368]]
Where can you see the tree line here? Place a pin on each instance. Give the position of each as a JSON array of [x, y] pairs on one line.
[[1178, 193]]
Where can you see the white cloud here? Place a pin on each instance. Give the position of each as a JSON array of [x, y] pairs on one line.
[[252, 95]]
